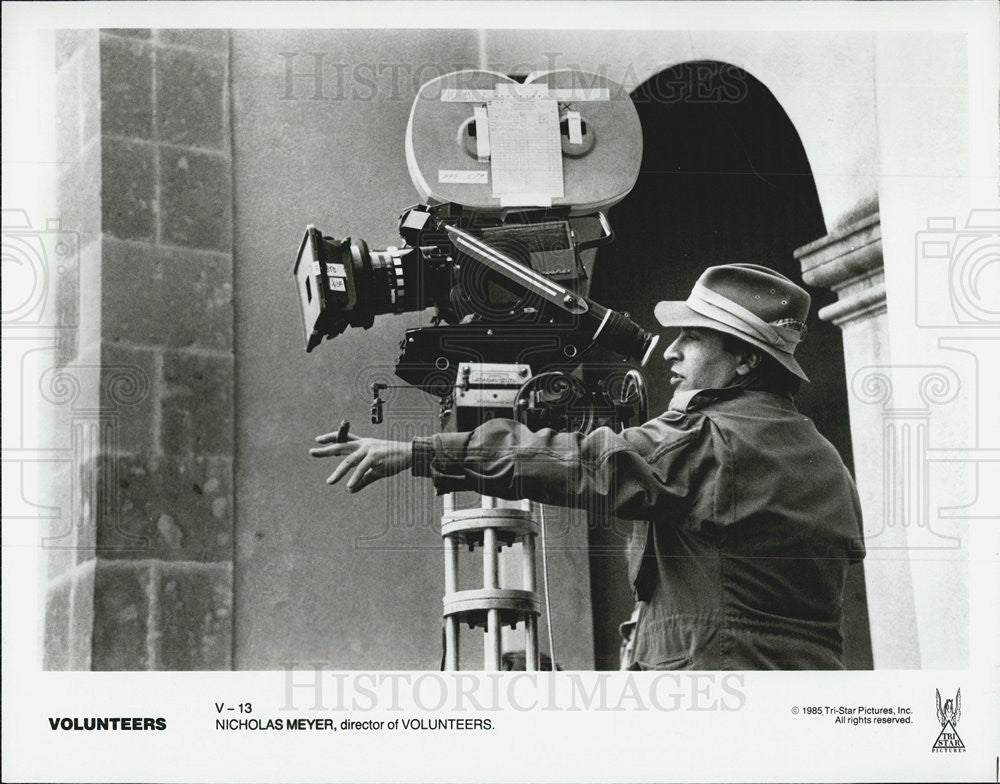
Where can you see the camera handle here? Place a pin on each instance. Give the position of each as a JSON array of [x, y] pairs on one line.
[[513, 270], [607, 236]]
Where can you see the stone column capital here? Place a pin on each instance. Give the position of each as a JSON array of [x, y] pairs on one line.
[[848, 261]]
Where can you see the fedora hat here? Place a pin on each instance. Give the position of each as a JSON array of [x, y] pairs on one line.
[[753, 303]]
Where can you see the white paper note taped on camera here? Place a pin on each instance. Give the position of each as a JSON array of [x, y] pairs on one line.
[[459, 177], [526, 200], [525, 150], [467, 96], [523, 91], [564, 94]]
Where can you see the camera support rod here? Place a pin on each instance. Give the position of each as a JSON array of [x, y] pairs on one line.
[[514, 270]]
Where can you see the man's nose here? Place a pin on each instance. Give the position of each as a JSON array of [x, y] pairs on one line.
[[673, 352]]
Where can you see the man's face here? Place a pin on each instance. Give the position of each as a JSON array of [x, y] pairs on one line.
[[700, 361]]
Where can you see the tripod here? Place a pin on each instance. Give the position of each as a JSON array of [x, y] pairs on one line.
[[490, 607]]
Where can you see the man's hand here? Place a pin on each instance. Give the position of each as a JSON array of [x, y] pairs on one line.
[[371, 458]]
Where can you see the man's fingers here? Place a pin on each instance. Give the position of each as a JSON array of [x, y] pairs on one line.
[[331, 438], [335, 449], [363, 466], [346, 465], [369, 477]]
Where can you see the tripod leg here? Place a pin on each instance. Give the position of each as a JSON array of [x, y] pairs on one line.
[[530, 621], [450, 586], [491, 580]]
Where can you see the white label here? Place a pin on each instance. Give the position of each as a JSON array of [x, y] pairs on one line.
[[456, 177], [337, 284], [526, 149], [336, 270], [482, 134], [467, 96], [575, 124], [526, 200], [559, 93], [315, 268], [517, 90]]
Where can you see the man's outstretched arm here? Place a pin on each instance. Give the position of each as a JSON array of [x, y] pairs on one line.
[[638, 473], [371, 458]]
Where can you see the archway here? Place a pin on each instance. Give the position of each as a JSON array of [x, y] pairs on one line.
[[724, 179]]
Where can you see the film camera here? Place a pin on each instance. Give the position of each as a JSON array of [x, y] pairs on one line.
[[514, 178]]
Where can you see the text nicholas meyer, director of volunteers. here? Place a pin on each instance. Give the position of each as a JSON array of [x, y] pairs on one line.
[[745, 517]]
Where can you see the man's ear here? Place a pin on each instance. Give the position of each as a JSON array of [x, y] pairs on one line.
[[748, 361]]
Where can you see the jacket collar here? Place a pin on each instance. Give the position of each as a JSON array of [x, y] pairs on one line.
[[693, 399]]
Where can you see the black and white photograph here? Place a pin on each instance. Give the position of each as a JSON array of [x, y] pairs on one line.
[[555, 391]]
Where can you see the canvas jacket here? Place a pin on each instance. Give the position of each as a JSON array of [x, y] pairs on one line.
[[745, 520]]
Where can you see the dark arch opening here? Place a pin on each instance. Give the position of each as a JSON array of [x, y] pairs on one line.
[[724, 179]]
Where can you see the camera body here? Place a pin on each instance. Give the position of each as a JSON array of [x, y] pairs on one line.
[[514, 180]]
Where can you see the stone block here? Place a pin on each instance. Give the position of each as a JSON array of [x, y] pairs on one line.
[[69, 42], [122, 592], [197, 404], [68, 111], [196, 199], [84, 515], [129, 32], [191, 99], [59, 534], [166, 508], [212, 40], [81, 624], [55, 652], [167, 296], [78, 195], [90, 91], [68, 308], [194, 628], [126, 88], [127, 401], [59, 553], [128, 190], [123, 489]]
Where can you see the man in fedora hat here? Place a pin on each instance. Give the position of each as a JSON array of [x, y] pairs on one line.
[[745, 518]]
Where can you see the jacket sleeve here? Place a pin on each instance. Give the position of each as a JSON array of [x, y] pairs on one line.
[[639, 474]]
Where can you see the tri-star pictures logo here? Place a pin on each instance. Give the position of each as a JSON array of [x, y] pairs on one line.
[[949, 714]]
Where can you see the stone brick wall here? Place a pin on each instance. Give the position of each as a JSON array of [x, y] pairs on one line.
[[140, 576]]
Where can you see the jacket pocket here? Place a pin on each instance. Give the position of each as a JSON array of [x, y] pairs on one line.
[[672, 663]]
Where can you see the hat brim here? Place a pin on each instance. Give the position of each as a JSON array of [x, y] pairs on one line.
[[678, 314]]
